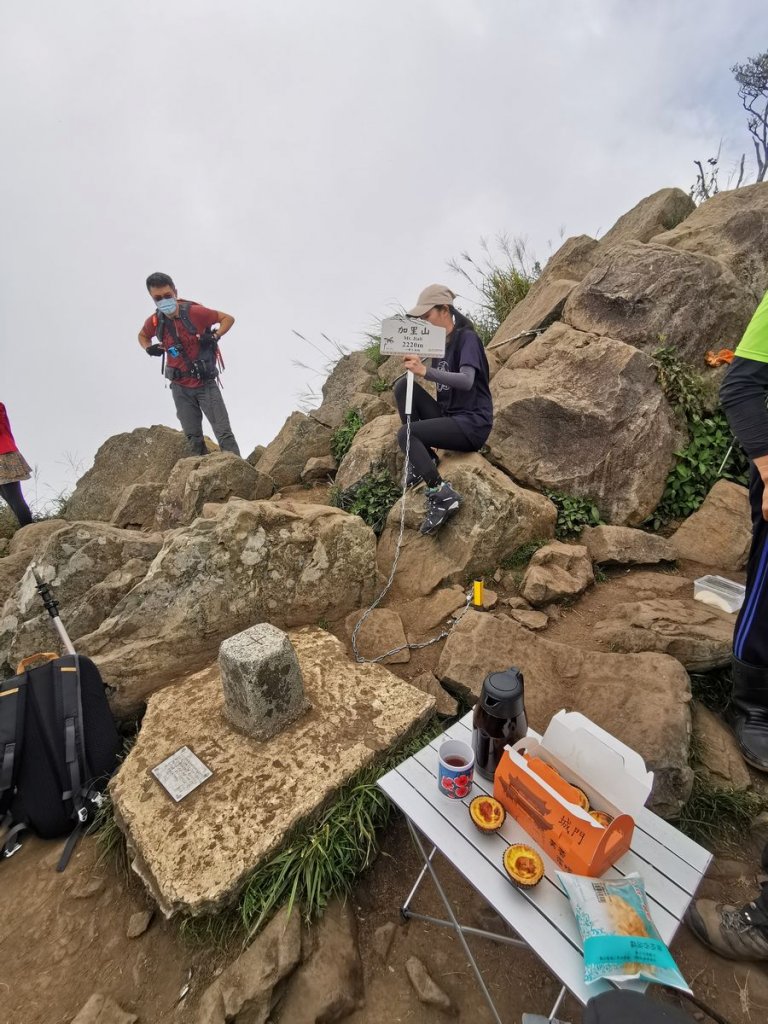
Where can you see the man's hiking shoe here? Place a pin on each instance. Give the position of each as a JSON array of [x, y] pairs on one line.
[[413, 477], [733, 933], [442, 503]]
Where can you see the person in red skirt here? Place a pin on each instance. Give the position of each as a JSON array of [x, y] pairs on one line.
[[13, 469]]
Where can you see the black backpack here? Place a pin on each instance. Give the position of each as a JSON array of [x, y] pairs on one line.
[[58, 747], [207, 366]]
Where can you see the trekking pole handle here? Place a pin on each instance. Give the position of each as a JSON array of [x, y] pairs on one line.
[[52, 608], [46, 594]]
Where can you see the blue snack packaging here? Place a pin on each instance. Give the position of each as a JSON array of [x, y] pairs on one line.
[[621, 942]]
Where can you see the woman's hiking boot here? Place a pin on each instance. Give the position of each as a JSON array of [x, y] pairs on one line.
[[738, 934], [442, 503]]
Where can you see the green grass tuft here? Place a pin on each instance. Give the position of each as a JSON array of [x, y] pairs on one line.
[[717, 817], [713, 689], [371, 498], [521, 556], [110, 838], [342, 438]]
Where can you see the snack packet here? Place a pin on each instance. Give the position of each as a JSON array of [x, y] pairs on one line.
[[620, 939]]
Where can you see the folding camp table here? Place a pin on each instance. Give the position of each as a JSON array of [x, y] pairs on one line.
[[670, 864]]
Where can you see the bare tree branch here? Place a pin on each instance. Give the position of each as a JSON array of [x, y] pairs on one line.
[[752, 79]]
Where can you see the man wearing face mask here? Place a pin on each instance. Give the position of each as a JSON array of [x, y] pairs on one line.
[[186, 335]]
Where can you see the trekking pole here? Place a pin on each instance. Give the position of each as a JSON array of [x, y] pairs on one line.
[[722, 464], [52, 608]]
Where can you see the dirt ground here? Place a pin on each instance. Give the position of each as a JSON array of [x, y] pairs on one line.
[[63, 936]]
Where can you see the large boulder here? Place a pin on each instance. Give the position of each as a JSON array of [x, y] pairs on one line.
[[146, 455], [207, 478], [555, 428], [351, 377], [546, 298], [642, 699], [195, 856], [22, 548], [426, 616], [648, 295], [621, 545], [379, 632], [301, 437], [137, 506], [320, 468], [719, 533], [697, 635], [375, 444], [733, 227], [661, 211], [496, 517], [557, 571], [251, 561], [90, 567]]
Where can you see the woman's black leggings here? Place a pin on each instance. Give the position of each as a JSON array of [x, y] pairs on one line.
[[430, 428], [12, 494]]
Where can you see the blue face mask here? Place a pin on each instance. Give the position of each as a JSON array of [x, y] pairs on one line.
[[166, 306]]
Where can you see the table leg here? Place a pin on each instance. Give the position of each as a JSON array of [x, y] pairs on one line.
[[404, 909], [558, 1002], [456, 926]]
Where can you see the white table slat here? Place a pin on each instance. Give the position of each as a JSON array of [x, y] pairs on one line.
[[667, 901], [557, 953], [547, 896], [669, 880]]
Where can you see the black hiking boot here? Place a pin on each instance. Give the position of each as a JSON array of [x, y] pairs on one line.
[[442, 503], [748, 713], [738, 934]]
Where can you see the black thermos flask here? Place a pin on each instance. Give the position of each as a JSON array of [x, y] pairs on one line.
[[499, 719]]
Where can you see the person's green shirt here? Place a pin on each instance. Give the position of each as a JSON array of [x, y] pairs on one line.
[[754, 344]]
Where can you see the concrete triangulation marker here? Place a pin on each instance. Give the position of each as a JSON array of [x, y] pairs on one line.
[[263, 688]]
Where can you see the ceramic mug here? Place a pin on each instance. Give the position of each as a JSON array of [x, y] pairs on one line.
[[456, 765]]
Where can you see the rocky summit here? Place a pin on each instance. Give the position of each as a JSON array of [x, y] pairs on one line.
[[219, 598]]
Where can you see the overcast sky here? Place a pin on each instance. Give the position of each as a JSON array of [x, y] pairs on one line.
[[305, 166]]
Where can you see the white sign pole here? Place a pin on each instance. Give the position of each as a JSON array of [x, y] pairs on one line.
[[409, 394]]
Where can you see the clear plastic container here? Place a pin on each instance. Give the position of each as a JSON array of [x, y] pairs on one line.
[[719, 592]]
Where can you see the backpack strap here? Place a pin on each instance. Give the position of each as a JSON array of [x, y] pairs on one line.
[[74, 748], [68, 673], [11, 736], [12, 707], [186, 319]]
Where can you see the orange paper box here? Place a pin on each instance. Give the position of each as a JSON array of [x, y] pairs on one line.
[[533, 782]]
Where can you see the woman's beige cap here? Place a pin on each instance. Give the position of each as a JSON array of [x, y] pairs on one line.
[[433, 295]]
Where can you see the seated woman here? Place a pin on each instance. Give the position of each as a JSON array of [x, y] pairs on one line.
[[461, 418]]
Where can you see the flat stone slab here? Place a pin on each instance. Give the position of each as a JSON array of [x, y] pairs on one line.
[[194, 856], [697, 635]]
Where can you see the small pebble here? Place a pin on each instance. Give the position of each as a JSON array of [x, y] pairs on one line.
[[138, 923]]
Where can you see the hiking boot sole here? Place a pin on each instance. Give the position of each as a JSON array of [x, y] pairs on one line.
[[753, 762]]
